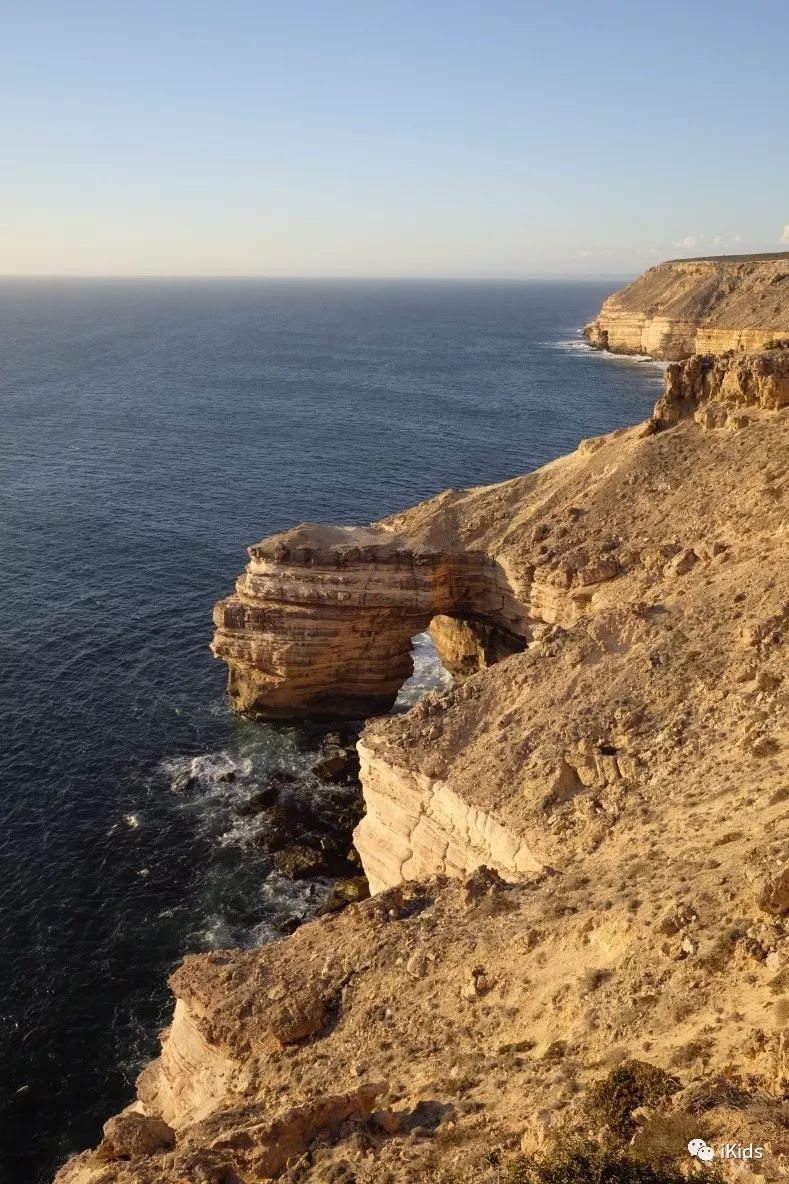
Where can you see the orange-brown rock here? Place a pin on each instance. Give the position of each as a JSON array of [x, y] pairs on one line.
[[467, 1019], [467, 646], [322, 620], [689, 306], [722, 390]]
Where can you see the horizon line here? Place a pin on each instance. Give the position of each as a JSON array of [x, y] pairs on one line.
[[557, 275]]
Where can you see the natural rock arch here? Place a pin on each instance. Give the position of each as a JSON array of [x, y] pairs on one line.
[[322, 620]]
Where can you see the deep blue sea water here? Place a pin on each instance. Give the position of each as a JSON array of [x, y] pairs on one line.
[[150, 431]]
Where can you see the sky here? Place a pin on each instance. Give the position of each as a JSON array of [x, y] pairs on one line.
[[438, 138]]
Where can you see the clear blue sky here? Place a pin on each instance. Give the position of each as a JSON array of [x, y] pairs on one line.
[[389, 137]]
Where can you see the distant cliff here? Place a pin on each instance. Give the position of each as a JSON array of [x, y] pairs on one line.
[[689, 306]]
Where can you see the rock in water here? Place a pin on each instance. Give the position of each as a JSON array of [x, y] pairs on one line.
[[346, 891], [339, 760], [299, 862]]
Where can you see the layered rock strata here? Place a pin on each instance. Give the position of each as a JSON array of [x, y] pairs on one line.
[[416, 825], [627, 774], [323, 618], [723, 390], [689, 306], [322, 621]]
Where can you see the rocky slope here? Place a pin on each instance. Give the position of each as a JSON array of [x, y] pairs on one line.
[[701, 306], [623, 780]]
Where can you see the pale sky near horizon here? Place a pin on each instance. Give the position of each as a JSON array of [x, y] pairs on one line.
[[391, 138]]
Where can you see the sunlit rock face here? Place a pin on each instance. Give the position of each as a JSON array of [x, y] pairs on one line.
[[415, 826], [689, 306], [322, 620], [724, 390]]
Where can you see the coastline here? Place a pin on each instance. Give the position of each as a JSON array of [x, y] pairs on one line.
[[598, 643], [580, 345], [159, 538]]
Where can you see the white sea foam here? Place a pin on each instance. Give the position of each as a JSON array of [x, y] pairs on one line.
[[429, 674], [581, 348], [216, 934], [213, 788]]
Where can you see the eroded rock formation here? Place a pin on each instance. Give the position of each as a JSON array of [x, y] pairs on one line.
[[626, 774], [416, 825], [322, 620], [689, 306], [635, 515], [722, 390]]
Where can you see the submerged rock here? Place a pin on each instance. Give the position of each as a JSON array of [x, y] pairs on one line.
[[341, 764], [300, 862], [207, 769], [259, 801], [339, 760]]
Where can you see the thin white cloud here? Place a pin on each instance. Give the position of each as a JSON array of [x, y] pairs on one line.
[[785, 236], [689, 241], [720, 241]]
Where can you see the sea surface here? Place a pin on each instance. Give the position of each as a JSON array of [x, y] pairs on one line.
[[151, 430]]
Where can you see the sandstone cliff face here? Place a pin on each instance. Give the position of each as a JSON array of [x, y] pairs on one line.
[[416, 826], [625, 775], [700, 306], [721, 391], [323, 618]]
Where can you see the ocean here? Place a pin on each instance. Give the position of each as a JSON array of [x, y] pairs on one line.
[[151, 430]]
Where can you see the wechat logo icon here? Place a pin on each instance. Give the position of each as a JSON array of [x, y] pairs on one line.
[[699, 1150]]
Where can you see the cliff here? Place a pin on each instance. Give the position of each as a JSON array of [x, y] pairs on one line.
[[689, 306], [610, 983], [322, 619]]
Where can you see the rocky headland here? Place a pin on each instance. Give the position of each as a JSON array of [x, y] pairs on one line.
[[702, 306], [576, 954]]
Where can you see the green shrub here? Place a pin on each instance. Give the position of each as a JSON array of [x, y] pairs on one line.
[[666, 1136], [589, 1163], [612, 1100]]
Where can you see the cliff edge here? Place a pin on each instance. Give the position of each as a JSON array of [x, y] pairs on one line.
[[702, 306], [576, 957]]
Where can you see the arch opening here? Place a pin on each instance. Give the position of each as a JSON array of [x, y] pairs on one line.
[[465, 645]]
